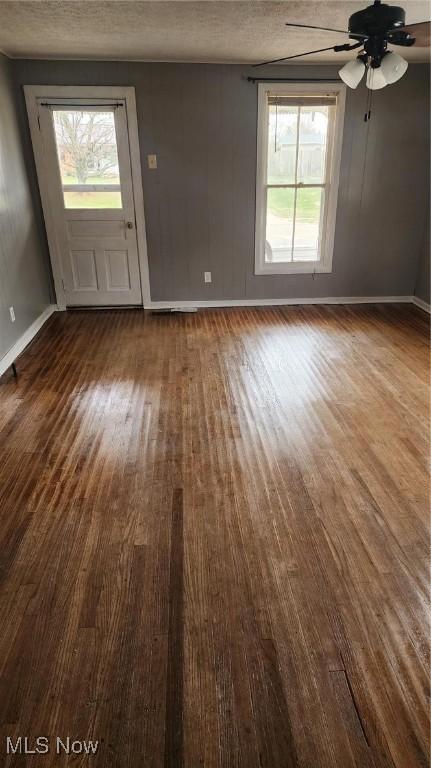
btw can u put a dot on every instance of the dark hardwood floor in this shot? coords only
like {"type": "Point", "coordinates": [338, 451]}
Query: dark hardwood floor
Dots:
{"type": "Point", "coordinates": [214, 539]}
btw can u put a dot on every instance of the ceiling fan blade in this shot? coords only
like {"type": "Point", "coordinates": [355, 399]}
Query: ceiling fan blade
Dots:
{"type": "Point", "coordinates": [336, 48]}
{"type": "Point", "coordinates": [421, 31]}
{"type": "Point", "coordinates": [323, 29]}
{"type": "Point", "coordinates": [416, 24]}
{"type": "Point", "coordinates": [295, 56]}
{"type": "Point", "coordinates": [310, 26]}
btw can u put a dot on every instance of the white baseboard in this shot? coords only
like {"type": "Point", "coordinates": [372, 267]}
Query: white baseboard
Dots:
{"type": "Point", "coordinates": [422, 304]}
{"type": "Point", "coordinates": [278, 302]}
{"type": "Point", "coordinates": [25, 339]}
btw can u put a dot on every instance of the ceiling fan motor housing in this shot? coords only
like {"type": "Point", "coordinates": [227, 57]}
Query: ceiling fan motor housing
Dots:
{"type": "Point", "coordinates": [376, 20]}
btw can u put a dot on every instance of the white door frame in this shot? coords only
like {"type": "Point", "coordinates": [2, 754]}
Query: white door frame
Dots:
{"type": "Point", "coordinates": [35, 92]}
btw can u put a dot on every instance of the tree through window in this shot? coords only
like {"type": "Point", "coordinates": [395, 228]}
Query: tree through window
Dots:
{"type": "Point", "coordinates": [88, 158]}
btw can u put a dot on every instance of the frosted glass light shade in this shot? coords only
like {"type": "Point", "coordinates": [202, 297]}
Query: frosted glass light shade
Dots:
{"type": "Point", "coordinates": [393, 67]}
{"type": "Point", "coordinates": [352, 73]}
{"type": "Point", "coordinates": [375, 78]}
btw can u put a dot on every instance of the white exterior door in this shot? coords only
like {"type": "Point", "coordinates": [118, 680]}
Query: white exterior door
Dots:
{"type": "Point", "coordinates": [86, 160]}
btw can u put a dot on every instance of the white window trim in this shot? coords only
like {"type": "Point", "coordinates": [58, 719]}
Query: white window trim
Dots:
{"type": "Point", "coordinates": [328, 230]}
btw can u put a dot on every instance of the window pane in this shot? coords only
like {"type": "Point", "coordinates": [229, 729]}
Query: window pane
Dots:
{"type": "Point", "coordinates": [307, 224]}
{"type": "Point", "coordinates": [92, 199]}
{"type": "Point", "coordinates": [313, 129]}
{"type": "Point", "coordinates": [279, 224]}
{"type": "Point", "coordinates": [87, 155]}
{"type": "Point", "coordinates": [282, 134]}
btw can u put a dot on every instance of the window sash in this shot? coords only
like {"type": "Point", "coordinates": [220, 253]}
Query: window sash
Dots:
{"type": "Point", "coordinates": [293, 93]}
{"type": "Point", "coordinates": [322, 218]}
{"type": "Point", "coordinates": [299, 185]}
{"type": "Point", "coordinates": [300, 102]}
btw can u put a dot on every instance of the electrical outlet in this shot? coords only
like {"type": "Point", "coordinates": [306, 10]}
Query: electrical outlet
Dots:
{"type": "Point", "coordinates": [207, 277]}
{"type": "Point", "coordinates": [152, 161]}
{"type": "Point", "coordinates": [12, 314]}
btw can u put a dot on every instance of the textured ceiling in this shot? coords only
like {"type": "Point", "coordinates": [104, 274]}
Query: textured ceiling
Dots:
{"type": "Point", "coordinates": [206, 31]}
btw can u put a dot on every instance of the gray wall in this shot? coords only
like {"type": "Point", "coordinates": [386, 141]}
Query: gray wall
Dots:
{"type": "Point", "coordinates": [422, 287]}
{"type": "Point", "coordinates": [24, 272]}
{"type": "Point", "coordinates": [200, 120]}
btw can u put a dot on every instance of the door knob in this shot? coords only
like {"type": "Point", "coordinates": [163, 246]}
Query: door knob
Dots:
{"type": "Point", "coordinates": [130, 225]}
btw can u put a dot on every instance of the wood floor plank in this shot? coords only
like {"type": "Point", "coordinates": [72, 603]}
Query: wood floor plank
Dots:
{"type": "Point", "coordinates": [214, 540]}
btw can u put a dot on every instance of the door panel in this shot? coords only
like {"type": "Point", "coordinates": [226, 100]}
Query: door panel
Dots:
{"type": "Point", "coordinates": [84, 270]}
{"type": "Point", "coordinates": [88, 161]}
{"type": "Point", "coordinates": [117, 270]}
{"type": "Point", "coordinates": [96, 228]}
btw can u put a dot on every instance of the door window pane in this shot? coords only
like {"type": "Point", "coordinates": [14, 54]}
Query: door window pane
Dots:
{"type": "Point", "coordinates": [282, 134]}
{"type": "Point", "coordinates": [279, 224]}
{"type": "Point", "coordinates": [88, 158]}
{"type": "Point", "coordinates": [307, 224]}
{"type": "Point", "coordinates": [313, 127]}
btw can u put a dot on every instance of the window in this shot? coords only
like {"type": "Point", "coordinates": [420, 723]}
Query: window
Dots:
{"type": "Point", "coordinates": [298, 159]}
{"type": "Point", "coordinates": [87, 155]}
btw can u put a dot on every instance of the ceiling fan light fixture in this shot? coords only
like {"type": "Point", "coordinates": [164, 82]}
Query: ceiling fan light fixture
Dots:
{"type": "Point", "coordinates": [352, 73]}
{"type": "Point", "coordinates": [393, 67]}
{"type": "Point", "coordinates": [375, 78]}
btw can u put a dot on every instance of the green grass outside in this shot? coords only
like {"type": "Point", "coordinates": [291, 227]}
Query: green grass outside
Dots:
{"type": "Point", "coordinates": [280, 203]}
{"type": "Point", "coordinates": [92, 199]}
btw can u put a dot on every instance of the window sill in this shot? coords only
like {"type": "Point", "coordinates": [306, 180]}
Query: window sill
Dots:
{"type": "Point", "coordinates": [284, 268]}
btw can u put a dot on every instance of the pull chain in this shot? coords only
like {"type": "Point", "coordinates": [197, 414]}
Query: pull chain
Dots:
{"type": "Point", "coordinates": [367, 116]}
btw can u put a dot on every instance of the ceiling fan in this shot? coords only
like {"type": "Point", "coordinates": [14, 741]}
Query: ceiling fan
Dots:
{"type": "Point", "coordinates": [372, 29]}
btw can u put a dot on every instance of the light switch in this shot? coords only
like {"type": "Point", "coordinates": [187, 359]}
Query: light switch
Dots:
{"type": "Point", "coordinates": [152, 161]}
{"type": "Point", "coordinates": [207, 277]}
